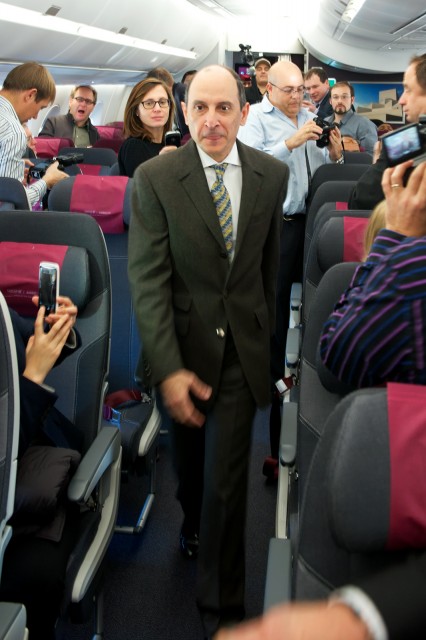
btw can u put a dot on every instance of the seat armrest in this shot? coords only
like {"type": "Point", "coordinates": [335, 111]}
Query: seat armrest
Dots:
{"type": "Point", "coordinates": [296, 302]}
{"type": "Point", "coordinates": [103, 451]}
{"type": "Point", "coordinates": [278, 573]}
{"type": "Point", "coordinates": [13, 619]}
{"type": "Point", "coordinates": [288, 435]}
{"type": "Point", "coordinates": [293, 348]}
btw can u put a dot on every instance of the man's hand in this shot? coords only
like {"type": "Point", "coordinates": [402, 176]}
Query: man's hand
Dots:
{"type": "Point", "coordinates": [307, 104]}
{"type": "Point", "coordinates": [309, 131]}
{"type": "Point", "coordinates": [53, 175]}
{"type": "Point", "coordinates": [313, 621]}
{"type": "Point", "coordinates": [175, 390]}
{"type": "Point", "coordinates": [43, 349]}
{"type": "Point", "coordinates": [405, 206]}
{"type": "Point", "coordinates": [335, 145]}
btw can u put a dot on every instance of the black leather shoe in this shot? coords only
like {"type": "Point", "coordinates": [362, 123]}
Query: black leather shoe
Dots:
{"type": "Point", "coordinates": [189, 544]}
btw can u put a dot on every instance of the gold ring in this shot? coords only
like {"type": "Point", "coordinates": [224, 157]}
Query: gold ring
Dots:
{"type": "Point", "coordinates": [395, 185]}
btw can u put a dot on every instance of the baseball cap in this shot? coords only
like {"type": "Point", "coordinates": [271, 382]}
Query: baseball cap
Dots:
{"type": "Point", "coordinates": [262, 61]}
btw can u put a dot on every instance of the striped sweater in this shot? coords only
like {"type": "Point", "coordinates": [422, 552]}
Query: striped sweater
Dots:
{"type": "Point", "coordinates": [377, 331]}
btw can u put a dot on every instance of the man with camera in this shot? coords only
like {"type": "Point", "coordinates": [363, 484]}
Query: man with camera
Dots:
{"type": "Point", "coordinates": [280, 126]}
{"type": "Point", "coordinates": [27, 89]}
{"type": "Point", "coordinates": [359, 128]}
{"type": "Point", "coordinates": [368, 190]}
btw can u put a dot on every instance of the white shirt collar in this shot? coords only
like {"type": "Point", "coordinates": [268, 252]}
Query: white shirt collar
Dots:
{"type": "Point", "coordinates": [231, 158]}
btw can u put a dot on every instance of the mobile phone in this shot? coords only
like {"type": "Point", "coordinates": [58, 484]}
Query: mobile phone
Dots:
{"type": "Point", "coordinates": [172, 138]}
{"type": "Point", "coordinates": [48, 286]}
{"type": "Point", "coordinates": [403, 144]}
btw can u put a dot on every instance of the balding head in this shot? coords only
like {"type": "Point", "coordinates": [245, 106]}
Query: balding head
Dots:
{"type": "Point", "coordinates": [285, 87]}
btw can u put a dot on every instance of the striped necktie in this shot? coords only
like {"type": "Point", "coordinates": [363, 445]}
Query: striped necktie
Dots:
{"type": "Point", "coordinates": [222, 202]}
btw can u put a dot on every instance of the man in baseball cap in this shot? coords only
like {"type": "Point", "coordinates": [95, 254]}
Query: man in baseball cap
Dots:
{"type": "Point", "coordinates": [258, 83]}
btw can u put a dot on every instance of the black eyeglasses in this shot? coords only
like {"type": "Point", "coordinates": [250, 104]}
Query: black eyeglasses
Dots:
{"type": "Point", "coordinates": [289, 90]}
{"type": "Point", "coordinates": [163, 103]}
{"type": "Point", "coordinates": [80, 100]}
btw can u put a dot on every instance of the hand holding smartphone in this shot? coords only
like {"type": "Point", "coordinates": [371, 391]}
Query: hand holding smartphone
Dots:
{"type": "Point", "coordinates": [48, 286]}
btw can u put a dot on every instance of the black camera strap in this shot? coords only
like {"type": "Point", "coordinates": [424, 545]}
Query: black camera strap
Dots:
{"type": "Point", "coordinates": [308, 169]}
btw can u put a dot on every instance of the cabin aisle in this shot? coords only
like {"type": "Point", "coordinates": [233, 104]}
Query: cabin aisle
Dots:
{"type": "Point", "coordinates": [149, 592]}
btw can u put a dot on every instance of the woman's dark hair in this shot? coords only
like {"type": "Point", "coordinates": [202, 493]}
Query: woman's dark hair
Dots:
{"type": "Point", "coordinates": [133, 125]}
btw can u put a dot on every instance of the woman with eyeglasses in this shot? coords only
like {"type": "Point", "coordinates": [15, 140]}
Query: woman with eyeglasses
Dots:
{"type": "Point", "coordinates": [148, 115]}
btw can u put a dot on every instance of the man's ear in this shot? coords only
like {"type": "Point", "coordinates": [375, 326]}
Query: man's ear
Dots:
{"type": "Point", "coordinates": [184, 111]}
{"type": "Point", "coordinates": [30, 95]}
{"type": "Point", "coordinates": [244, 113]}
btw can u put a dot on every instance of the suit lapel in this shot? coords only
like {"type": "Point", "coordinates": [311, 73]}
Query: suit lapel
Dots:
{"type": "Point", "coordinates": [194, 182]}
{"type": "Point", "coordinates": [252, 180]}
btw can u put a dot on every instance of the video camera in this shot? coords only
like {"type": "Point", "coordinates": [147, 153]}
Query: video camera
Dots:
{"type": "Point", "coordinates": [39, 169]}
{"type": "Point", "coordinates": [326, 127]}
{"type": "Point", "coordinates": [406, 143]}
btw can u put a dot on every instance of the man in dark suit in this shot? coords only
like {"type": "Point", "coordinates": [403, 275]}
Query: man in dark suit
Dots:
{"type": "Point", "coordinates": [205, 310]}
{"type": "Point", "coordinates": [318, 89]}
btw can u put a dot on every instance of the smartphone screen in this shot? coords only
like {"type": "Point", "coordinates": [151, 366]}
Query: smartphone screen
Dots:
{"type": "Point", "coordinates": [48, 285]}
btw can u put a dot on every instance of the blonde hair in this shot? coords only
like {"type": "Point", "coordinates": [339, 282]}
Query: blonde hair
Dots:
{"type": "Point", "coordinates": [376, 222]}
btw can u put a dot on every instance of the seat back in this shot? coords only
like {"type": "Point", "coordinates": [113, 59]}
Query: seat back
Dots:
{"type": "Point", "coordinates": [315, 402]}
{"type": "Point", "coordinates": [335, 192]}
{"type": "Point", "coordinates": [365, 491]}
{"type": "Point", "coordinates": [95, 161]}
{"type": "Point", "coordinates": [357, 157]}
{"type": "Point", "coordinates": [338, 236]}
{"type": "Point", "coordinates": [13, 195]}
{"type": "Point", "coordinates": [51, 147]}
{"type": "Point", "coordinates": [80, 380]}
{"type": "Point", "coordinates": [335, 172]}
{"type": "Point", "coordinates": [107, 199]}
{"type": "Point", "coordinates": [9, 424]}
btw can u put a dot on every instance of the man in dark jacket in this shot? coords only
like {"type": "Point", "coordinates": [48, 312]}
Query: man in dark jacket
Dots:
{"type": "Point", "coordinates": [76, 123]}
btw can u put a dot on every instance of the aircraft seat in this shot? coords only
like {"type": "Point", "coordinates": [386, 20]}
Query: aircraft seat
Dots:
{"type": "Point", "coordinates": [107, 199]}
{"type": "Point", "coordinates": [95, 161]}
{"type": "Point", "coordinates": [109, 143]}
{"type": "Point", "coordinates": [357, 157]}
{"type": "Point", "coordinates": [364, 501]}
{"type": "Point", "coordinates": [13, 195]}
{"type": "Point", "coordinates": [51, 147]}
{"type": "Point", "coordinates": [80, 382]}
{"type": "Point", "coordinates": [12, 615]}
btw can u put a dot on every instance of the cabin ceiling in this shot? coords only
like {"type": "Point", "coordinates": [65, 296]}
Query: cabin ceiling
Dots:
{"type": "Point", "coordinates": [382, 37]}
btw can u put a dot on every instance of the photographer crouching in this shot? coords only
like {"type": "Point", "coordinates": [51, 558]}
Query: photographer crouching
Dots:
{"type": "Point", "coordinates": [27, 89]}
{"type": "Point", "coordinates": [282, 127]}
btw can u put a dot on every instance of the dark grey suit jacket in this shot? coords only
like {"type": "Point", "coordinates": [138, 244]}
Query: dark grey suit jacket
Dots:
{"type": "Point", "coordinates": [184, 290]}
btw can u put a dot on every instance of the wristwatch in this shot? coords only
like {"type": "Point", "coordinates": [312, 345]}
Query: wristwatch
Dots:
{"type": "Point", "coordinates": [341, 160]}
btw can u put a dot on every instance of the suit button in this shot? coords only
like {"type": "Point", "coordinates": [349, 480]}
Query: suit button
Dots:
{"type": "Point", "coordinates": [220, 332]}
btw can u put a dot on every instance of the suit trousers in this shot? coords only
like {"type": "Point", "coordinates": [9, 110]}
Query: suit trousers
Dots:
{"type": "Point", "coordinates": [218, 476]}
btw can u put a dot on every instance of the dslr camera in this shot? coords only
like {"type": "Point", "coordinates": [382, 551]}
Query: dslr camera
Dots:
{"type": "Point", "coordinates": [39, 169]}
{"type": "Point", "coordinates": [326, 127]}
{"type": "Point", "coordinates": [406, 143]}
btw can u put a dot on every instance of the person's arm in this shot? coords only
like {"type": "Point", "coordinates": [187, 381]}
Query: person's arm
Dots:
{"type": "Point", "coordinates": [368, 190]}
{"type": "Point", "coordinates": [301, 621]}
{"type": "Point", "coordinates": [371, 335]}
{"type": "Point", "coordinates": [367, 135]}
